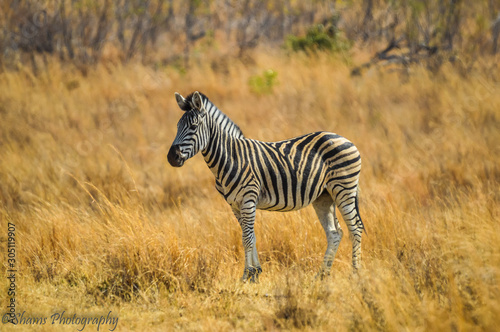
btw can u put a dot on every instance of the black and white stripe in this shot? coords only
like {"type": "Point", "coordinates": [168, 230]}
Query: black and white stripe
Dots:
{"type": "Point", "coordinates": [320, 168]}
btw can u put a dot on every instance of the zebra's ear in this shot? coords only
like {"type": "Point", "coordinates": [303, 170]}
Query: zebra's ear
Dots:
{"type": "Point", "coordinates": [197, 102]}
{"type": "Point", "coordinates": [181, 101]}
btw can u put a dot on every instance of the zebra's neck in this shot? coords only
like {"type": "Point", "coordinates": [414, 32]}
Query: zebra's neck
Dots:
{"type": "Point", "coordinates": [221, 122]}
{"type": "Point", "coordinates": [223, 136]}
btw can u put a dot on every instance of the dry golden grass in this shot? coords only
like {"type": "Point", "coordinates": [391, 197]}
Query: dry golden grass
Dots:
{"type": "Point", "coordinates": [104, 223]}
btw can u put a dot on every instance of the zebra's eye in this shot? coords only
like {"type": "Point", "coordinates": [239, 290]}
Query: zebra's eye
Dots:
{"type": "Point", "coordinates": [193, 126]}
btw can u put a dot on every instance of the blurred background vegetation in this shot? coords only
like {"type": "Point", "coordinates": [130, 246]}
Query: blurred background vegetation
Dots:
{"type": "Point", "coordinates": [159, 33]}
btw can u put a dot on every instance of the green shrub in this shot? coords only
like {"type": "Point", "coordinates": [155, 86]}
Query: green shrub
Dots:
{"type": "Point", "coordinates": [319, 38]}
{"type": "Point", "coordinates": [263, 84]}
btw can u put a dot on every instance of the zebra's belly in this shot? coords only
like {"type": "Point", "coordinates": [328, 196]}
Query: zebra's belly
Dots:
{"type": "Point", "coordinates": [281, 208]}
{"type": "Point", "coordinates": [290, 203]}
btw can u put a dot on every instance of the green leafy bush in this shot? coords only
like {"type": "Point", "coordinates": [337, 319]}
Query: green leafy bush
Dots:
{"type": "Point", "coordinates": [319, 38]}
{"type": "Point", "coordinates": [263, 84]}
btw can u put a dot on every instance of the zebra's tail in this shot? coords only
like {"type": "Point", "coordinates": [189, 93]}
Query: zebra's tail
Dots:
{"type": "Point", "coordinates": [356, 205]}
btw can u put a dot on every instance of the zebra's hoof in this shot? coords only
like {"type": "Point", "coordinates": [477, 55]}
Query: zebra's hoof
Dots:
{"type": "Point", "coordinates": [322, 275]}
{"type": "Point", "coordinates": [251, 274]}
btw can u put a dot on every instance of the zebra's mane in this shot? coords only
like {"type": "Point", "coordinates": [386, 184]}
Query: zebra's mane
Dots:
{"type": "Point", "coordinates": [217, 114]}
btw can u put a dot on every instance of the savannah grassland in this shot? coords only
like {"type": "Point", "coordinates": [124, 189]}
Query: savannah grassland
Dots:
{"type": "Point", "coordinates": [103, 223]}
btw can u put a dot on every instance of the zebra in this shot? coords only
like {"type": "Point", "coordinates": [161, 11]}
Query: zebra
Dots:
{"type": "Point", "coordinates": [319, 168]}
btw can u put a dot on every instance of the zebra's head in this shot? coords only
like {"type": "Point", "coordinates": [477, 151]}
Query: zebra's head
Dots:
{"type": "Point", "coordinates": [192, 131]}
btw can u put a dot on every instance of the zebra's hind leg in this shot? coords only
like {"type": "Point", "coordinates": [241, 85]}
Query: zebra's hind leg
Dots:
{"type": "Point", "coordinates": [347, 202]}
{"type": "Point", "coordinates": [325, 209]}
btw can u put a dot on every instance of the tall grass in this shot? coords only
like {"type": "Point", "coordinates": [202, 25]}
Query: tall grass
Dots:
{"type": "Point", "coordinates": [104, 223]}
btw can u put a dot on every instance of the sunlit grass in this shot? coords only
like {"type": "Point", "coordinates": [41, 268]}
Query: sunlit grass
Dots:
{"type": "Point", "coordinates": [104, 223]}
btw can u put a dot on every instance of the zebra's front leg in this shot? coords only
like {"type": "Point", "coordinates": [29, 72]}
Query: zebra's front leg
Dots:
{"type": "Point", "coordinates": [246, 218]}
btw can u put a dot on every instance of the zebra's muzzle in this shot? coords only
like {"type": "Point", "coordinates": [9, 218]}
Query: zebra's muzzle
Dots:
{"type": "Point", "coordinates": [175, 156]}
